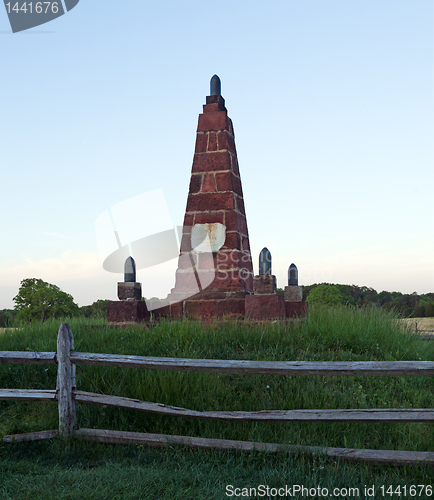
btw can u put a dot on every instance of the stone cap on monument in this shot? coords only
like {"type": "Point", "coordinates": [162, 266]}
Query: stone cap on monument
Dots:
{"type": "Point", "coordinates": [292, 275]}
{"type": "Point", "coordinates": [130, 271]}
{"type": "Point", "coordinates": [265, 261]}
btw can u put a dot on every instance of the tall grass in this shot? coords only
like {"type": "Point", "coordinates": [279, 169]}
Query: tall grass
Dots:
{"type": "Point", "coordinates": [53, 470]}
{"type": "Point", "coordinates": [328, 334]}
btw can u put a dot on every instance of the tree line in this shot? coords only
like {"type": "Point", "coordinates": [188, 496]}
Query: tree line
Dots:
{"type": "Point", "coordinates": [408, 305]}
{"type": "Point", "coordinates": [38, 301]}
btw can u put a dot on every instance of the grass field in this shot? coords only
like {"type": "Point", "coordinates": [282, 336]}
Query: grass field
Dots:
{"type": "Point", "coordinates": [421, 323]}
{"type": "Point", "coordinates": [6, 330]}
{"type": "Point", "coordinates": [51, 469]}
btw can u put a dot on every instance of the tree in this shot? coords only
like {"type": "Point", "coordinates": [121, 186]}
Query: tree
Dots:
{"type": "Point", "coordinates": [372, 295]}
{"type": "Point", "coordinates": [391, 306]}
{"type": "Point", "coordinates": [7, 317]}
{"type": "Point", "coordinates": [86, 311]}
{"type": "Point", "coordinates": [325, 294]}
{"type": "Point", "coordinates": [384, 297]}
{"type": "Point", "coordinates": [38, 300]}
{"type": "Point", "coordinates": [99, 308]}
{"type": "Point", "coordinates": [419, 311]}
{"type": "Point", "coordinates": [307, 289]}
{"type": "Point", "coordinates": [345, 291]}
{"type": "Point", "coordinates": [429, 310]}
{"type": "Point", "coordinates": [405, 311]}
{"type": "Point", "coordinates": [3, 319]}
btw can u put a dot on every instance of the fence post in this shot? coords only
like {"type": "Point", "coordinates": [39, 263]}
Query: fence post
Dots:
{"type": "Point", "coordinates": [65, 381]}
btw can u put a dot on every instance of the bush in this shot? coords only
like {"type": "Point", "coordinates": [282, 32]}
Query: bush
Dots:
{"type": "Point", "coordinates": [326, 295]}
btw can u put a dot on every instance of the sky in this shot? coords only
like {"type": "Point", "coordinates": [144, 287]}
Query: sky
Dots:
{"type": "Point", "coordinates": [332, 106]}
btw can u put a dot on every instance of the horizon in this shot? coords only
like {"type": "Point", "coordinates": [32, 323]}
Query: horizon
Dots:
{"type": "Point", "coordinates": [280, 288]}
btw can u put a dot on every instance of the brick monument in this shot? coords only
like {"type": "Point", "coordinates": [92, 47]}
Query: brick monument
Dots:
{"type": "Point", "coordinates": [215, 270]}
{"type": "Point", "coordinates": [214, 278]}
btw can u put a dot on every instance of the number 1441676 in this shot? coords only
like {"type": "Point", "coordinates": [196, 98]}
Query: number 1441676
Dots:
{"type": "Point", "coordinates": [32, 7]}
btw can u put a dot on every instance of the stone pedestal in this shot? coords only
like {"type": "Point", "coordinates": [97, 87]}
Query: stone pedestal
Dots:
{"type": "Point", "coordinates": [264, 284]}
{"type": "Point", "coordinates": [264, 307]}
{"type": "Point", "coordinates": [210, 309]}
{"type": "Point", "coordinates": [296, 309]}
{"type": "Point", "coordinates": [129, 291]}
{"type": "Point", "coordinates": [126, 311]}
{"type": "Point", "coordinates": [293, 293]}
{"type": "Point", "coordinates": [206, 305]}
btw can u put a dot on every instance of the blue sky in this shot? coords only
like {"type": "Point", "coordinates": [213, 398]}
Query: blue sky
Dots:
{"type": "Point", "coordinates": [332, 104]}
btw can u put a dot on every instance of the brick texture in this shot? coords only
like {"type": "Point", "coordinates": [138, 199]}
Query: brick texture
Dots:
{"type": "Point", "coordinates": [260, 307]}
{"type": "Point", "coordinates": [209, 309]}
{"type": "Point", "coordinates": [215, 196]}
{"type": "Point", "coordinates": [212, 161]}
{"type": "Point", "coordinates": [127, 311]}
{"type": "Point", "coordinates": [296, 309]}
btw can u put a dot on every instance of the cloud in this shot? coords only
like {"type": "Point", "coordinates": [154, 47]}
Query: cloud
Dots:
{"type": "Point", "coordinates": [71, 265]}
{"type": "Point", "coordinates": [81, 274]}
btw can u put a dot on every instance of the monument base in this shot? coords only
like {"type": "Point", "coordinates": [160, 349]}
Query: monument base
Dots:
{"type": "Point", "coordinates": [264, 284]}
{"type": "Point", "coordinates": [216, 308]}
{"type": "Point", "coordinates": [296, 309]}
{"type": "Point", "coordinates": [207, 306]}
{"type": "Point", "coordinates": [260, 307]}
{"type": "Point", "coordinates": [127, 311]}
{"type": "Point", "coordinates": [293, 293]}
{"type": "Point", "coordinates": [129, 291]}
{"type": "Point", "coordinates": [240, 306]}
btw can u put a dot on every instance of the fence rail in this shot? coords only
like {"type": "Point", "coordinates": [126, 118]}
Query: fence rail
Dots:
{"type": "Point", "coordinates": [364, 415]}
{"type": "Point", "coordinates": [31, 358]}
{"type": "Point", "coordinates": [67, 395]}
{"type": "Point", "coordinates": [28, 394]}
{"type": "Point", "coordinates": [350, 368]}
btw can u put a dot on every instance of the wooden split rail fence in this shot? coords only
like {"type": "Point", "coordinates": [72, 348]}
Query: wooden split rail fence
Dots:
{"type": "Point", "coordinates": [66, 395]}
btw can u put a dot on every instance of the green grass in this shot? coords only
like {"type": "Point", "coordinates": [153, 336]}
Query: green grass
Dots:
{"type": "Point", "coordinates": [337, 334]}
{"type": "Point", "coordinates": [49, 470]}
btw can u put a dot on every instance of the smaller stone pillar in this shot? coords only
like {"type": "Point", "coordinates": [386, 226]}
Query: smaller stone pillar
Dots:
{"type": "Point", "coordinates": [293, 292]}
{"type": "Point", "coordinates": [265, 282]}
{"type": "Point", "coordinates": [129, 289]}
{"type": "Point", "coordinates": [130, 307]}
{"type": "Point", "coordinates": [294, 306]}
{"type": "Point", "coordinates": [265, 303]}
